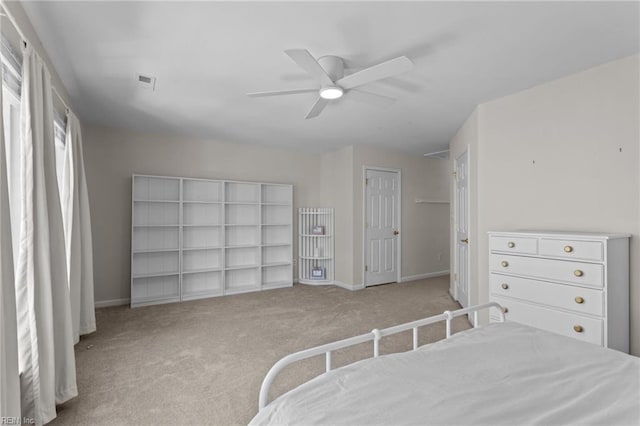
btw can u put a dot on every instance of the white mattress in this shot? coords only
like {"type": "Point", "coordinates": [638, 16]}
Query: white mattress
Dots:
{"type": "Point", "coordinates": [501, 374]}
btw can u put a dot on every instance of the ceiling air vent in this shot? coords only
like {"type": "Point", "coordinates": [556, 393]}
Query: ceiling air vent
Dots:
{"type": "Point", "coordinates": [147, 82]}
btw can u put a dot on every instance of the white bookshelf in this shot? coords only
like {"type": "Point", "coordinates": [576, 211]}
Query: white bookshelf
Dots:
{"type": "Point", "coordinates": [315, 250]}
{"type": "Point", "coordinates": [197, 238]}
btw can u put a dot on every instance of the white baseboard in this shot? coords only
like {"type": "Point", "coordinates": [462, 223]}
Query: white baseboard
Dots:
{"type": "Point", "coordinates": [352, 287]}
{"type": "Point", "coordinates": [423, 276]}
{"type": "Point", "coordinates": [112, 302]}
{"type": "Point", "coordinates": [346, 286]}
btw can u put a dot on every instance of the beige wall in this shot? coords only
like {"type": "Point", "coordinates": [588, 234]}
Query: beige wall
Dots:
{"type": "Point", "coordinates": [582, 133]}
{"type": "Point", "coordinates": [425, 227]}
{"type": "Point", "coordinates": [112, 156]}
{"type": "Point", "coordinates": [466, 139]}
{"type": "Point", "coordinates": [337, 184]}
{"type": "Point", "coordinates": [333, 180]}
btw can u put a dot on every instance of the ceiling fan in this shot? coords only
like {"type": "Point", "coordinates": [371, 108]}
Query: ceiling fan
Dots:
{"type": "Point", "coordinates": [329, 70]}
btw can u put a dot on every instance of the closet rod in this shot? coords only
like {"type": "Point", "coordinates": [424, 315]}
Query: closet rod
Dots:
{"type": "Point", "coordinates": [9, 15]}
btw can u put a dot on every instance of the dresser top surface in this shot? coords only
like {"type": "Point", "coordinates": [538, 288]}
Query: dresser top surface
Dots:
{"type": "Point", "coordinates": [562, 234]}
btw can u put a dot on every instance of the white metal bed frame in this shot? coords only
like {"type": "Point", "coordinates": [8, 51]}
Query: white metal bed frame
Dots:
{"type": "Point", "coordinates": [375, 335]}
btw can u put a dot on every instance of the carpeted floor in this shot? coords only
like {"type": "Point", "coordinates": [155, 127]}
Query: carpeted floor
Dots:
{"type": "Point", "coordinates": [202, 362]}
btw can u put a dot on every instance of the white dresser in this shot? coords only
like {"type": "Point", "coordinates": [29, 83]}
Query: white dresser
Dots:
{"type": "Point", "coordinates": [574, 284]}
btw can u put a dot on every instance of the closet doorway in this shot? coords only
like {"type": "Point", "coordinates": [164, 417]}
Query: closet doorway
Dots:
{"type": "Point", "coordinates": [461, 228]}
{"type": "Point", "coordinates": [381, 225]}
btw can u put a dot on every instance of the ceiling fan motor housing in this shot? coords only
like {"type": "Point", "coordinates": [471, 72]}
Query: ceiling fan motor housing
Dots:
{"type": "Point", "coordinates": [333, 66]}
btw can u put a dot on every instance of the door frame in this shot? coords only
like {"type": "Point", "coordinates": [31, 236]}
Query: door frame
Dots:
{"type": "Point", "coordinates": [454, 235]}
{"type": "Point", "coordinates": [398, 172]}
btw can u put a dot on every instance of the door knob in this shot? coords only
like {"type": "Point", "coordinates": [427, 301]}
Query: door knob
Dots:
{"type": "Point", "coordinates": [466, 241]}
{"type": "Point", "coordinates": [395, 232]}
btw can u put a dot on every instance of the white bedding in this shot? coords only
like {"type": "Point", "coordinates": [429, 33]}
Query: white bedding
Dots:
{"type": "Point", "coordinates": [506, 374]}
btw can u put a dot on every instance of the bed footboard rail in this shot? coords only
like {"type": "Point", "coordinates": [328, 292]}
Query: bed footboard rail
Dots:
{"type": "Point", "coordinates": [375, 335]}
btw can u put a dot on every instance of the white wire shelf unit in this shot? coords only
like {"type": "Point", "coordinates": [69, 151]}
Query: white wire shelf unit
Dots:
{"type": "Point", "coordinates": [316, 245]}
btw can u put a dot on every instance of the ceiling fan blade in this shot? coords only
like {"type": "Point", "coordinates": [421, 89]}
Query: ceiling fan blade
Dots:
{"type": "Point", "coordinates": [281, 92]}
{"type": "Point", "coordinates": [303, 58]}
{"type": "Point", "coordinates": [377, 72]}
{"type": "Point", "coordinates": [317, 108]}
{"type": "Point", "coordinates": [370, 98]}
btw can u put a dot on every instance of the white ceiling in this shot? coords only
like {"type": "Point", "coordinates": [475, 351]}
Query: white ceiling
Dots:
{"type": "Point", "coordinates": [207, 55]}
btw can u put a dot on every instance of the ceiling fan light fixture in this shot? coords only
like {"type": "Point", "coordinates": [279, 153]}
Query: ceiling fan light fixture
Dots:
{"type": "Point", "coordinates": [331, 92]}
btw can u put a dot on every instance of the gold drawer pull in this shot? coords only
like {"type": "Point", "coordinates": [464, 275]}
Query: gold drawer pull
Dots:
{"type": "Point", "coordinates": [579, 300]}
{"type": "Point", "coordinates": [505, 310]}
{"type": "Point", "coordinates": [568, 249]}
{"type": "Point", "coordinates": [504, 263]}
{"type": "Point", "coordinates": [578, 328]}
{"type": "Point", "coordinates": [578, 273]}
{"type": "Point", "coordinates": [511, 244]}
{"type": "Point", "coordinates": [505, 286]}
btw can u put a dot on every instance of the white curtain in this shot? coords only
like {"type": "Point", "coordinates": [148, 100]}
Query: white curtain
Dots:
{"type": "Point", "coordinates": [77, 227]}
{"type": "Point", "coordinates": [45, 336]}
{"type": "Point", "coordinates": [9, 374]}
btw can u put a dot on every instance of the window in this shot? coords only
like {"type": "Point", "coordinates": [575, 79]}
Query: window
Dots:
{"type": "Point", "coordinates": [11, 84]}
{"type": "Point", "coordinates": [11, 66]}
{"type": "Point", "coordinates": [59, 130]}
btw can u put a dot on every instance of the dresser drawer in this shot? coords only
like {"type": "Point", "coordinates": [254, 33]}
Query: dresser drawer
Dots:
{"type": "Point", "coordinates": [523, 245]}
{"type": "Point", "coordinates": [571, 325]}
{"type": "Point", "coordinates": [587, 274]}
{"type": "Point", "coordinates": [578, 299]}
{"type": "Point", "coordinates": [572, 249]}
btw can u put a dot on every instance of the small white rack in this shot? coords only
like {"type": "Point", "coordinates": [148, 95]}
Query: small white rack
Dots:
{"type": "Point", "coordinates": [315, 250]}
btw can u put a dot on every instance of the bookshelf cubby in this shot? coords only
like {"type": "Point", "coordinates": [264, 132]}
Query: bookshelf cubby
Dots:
{"type": "Point", "coordinates": [197, 238]}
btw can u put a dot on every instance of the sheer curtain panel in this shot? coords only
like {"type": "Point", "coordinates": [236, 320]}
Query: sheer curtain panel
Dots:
{"type": "Point", "coordinates": [45, 335]}
{"type": "Point", "coordinates": [77, 227]}
{"type": "Point", "coordinates": [9, 373]}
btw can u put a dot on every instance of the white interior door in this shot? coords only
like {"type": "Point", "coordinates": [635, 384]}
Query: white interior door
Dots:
{"type": "Point", "coordinates": [381, 226]}
{"type": "Point", "coordinates": [461, 229]}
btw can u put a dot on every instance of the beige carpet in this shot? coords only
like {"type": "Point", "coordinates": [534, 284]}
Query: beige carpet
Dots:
{"type": "Point", "coordinates": [202, 362]}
